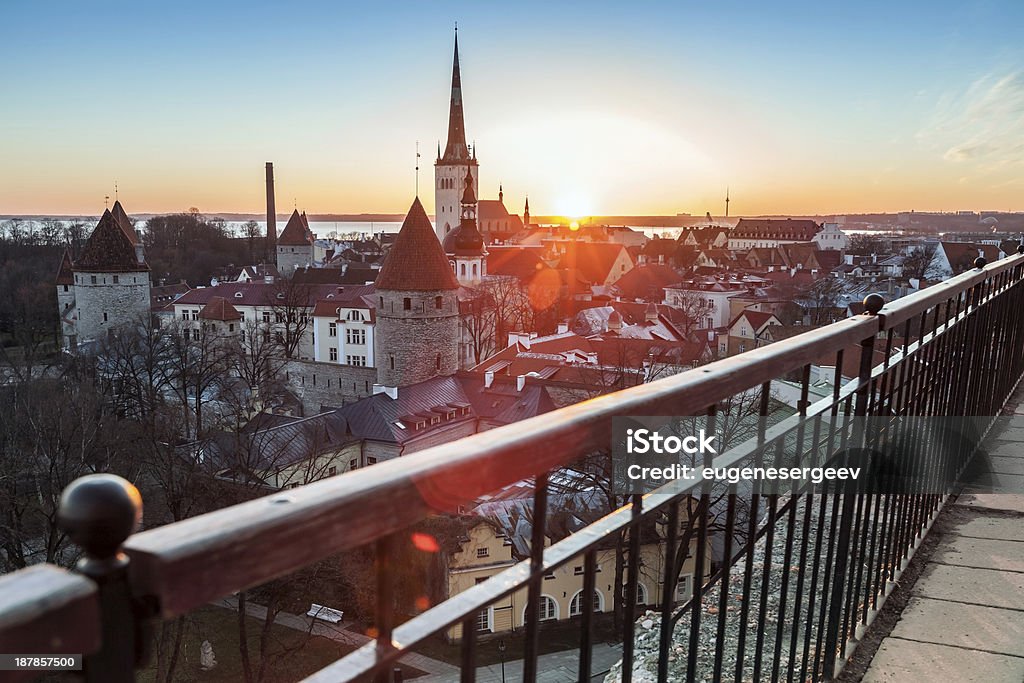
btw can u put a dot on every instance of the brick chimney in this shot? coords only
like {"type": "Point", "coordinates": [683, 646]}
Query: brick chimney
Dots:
{"type": "Point", "coordinates": [271, 216]}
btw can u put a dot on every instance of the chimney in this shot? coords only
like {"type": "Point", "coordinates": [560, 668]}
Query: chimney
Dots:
{"type": "Point", "coordinates": [563, 327]}
{"type": "Point", "coordinates": [488, 379]}
{"type": "Point", "coordinates": [271, 216]}
{"type": "Point", "coordinates": [520, 382]}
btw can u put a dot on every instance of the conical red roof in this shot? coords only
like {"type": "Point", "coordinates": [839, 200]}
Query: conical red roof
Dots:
{"type": "Point", "coordinates": [109, 250]}
{"type": "Point", "coordinates": [416, 261]}
{"type": "Point", "coordinates": [64, 274]}
{"type": "Point", "coordinates": [117, 211]}
{"type": "Point", "coordinates": [297, 232]}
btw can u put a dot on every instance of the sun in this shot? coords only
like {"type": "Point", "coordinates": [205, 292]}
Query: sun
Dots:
{"type": "Point", "coordinates": [576, 206]}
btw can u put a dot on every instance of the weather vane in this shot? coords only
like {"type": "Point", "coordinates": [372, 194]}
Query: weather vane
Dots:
{"type": "Point", "coordinates": [417, 168]}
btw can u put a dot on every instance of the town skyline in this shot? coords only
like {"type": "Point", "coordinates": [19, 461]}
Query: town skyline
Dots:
{"type": "Point", "coordinates": [659, 127]}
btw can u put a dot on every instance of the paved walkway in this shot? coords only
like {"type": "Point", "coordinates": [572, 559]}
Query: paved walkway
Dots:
{"type": "Point", "coordinates": [557, 667]}
{"type": "Point", "coordinates": [965, 617]}
{"type": "Point", "coordinates": [435, 669]}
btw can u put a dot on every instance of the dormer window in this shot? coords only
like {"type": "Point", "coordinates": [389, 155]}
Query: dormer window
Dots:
{"type": "Point", "coordinates": [238, 295]}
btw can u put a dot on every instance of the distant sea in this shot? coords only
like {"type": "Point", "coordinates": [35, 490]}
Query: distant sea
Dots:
{"type": "Point", "coordinates": [327, 229]}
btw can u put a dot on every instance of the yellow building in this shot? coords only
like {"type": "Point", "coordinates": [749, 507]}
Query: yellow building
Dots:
{"type": "Point", "coordinates": [487, 551]}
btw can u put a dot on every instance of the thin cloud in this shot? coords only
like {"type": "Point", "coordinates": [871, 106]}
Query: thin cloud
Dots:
{"type": "Point", "coordinates": [983, 125]}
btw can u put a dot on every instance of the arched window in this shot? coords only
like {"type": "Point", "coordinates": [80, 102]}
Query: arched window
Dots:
{"type": "Point", "coordinates": [547, 609]}
{"type": "Point", "coordinates": [576, 605]}
{"type": "Point", "coordinates": [641, 594]}
{"type": "Point", "coordinates": [462, 269]}
{"type": "Point", "coordinates": [474, 270]}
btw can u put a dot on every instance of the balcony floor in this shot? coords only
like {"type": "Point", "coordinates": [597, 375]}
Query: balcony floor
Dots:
{"type": "Point", "coordinates": [964, 620]}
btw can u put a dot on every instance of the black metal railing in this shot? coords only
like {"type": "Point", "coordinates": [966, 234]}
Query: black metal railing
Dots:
{"type": "Point", "coordinates": [796, 574]}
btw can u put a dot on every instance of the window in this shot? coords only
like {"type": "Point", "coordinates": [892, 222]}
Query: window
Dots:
{"type": "Point", "coordinates": [65, 288]}
{"type": "Point", "coordinates": [279, 317]}
{"type": "Point", "coordinates": [438, 302]}
{"type": "Point", "coordinates": [195, 314]}
{"type": "Point", "coordinates": [241, 316]}
{"type": "Point", "coordinates": [231, 327]}
{"type": "Point", "coordinates": [684, 588]}
{"type": "Point", "coordinates": [332, 329]}
{"type": "Point", "coordinates": [92, 279]}
{"type": "Point", "coordinates": [331, 471]}
{"type": "Point", "coordinates": [407, 304]}
{"type": "Point", "coordinates": [483, 620]}
{"type": "Point", "coordinates": [576, 605]}
{"type": "Point", "coordinates": [474, 269]}
{"type": "Point", "coordinates": [357, 361]}
{"type": "Point", "coordinates": [547, 609]}
{"type": "Point", "coordinates": [462, 270]}
{"type": "Point", "coordinates": [242, 335]}
{"type": "Point", "coordinates": [641, 594]}
{"type": "Point", "coordinates": [392, 358]}
{"type": "Point", "coordinates": [104, 316]}
{"type": "Point", "coordinates": [195, 334]}
{"type": "Point", "coordinates": [355, 316]}
{"type": "Point", "coordinates": [352, 464]}
{"type": "Point", "coordinates": [266, 316]}
{"type": "Point", "coordinates": [334, 355]}
{"type": "Point", "coordinates": [437, 362]}
{"type": "Point", "coordinates": [355, 336]}
{"type": "Point", "coordinates": [483, 552]}
{"type": "Point", "coordinates": [371, 461]}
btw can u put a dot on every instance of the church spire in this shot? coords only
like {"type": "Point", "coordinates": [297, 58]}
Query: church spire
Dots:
{"type": "Point", "coordinates": [456, 149]}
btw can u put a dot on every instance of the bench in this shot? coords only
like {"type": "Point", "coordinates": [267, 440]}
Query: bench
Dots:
{"type": "Point", "coordinates": [325, 613]}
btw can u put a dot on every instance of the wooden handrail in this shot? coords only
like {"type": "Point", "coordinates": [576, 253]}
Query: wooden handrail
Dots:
{"type": "Point", "coordinates": [47, 610]}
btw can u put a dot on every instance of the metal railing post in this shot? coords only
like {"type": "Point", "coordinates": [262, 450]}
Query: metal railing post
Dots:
{"type": "Point", "coordinates": [99, 512]}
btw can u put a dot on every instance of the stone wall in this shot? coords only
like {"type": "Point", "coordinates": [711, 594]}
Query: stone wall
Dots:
{"type": "Point", "coordinates": [410, 345]}
{"type": "Point", "coordinates": [291, 257]}
{"type": "Point", "coordinates": [123, 303]}
{"type": "Point", "coordinates": [327, 384]}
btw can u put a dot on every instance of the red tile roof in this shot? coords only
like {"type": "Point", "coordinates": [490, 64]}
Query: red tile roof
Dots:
{"type": "Point", "coordinates": [296, 232]}
{"type": "Point", "coordinates": [785, 229]}
{"type": "Point", "coordinates": [109, 250]}
{"type": "Point", "coordinates": [520, 262]}
{"type": "Point", "coordinates": [594, 260]}
{"type": "Point", "coordinates": [416, 261]}
{"type": "Point", "coordinates": [757, 319]}
{"type": "Point", "coordinates": [64, 274]}
{"type": "Point", "coordinates": [218, 308]}
{"type": "Point", "coordinates": [117, 211]}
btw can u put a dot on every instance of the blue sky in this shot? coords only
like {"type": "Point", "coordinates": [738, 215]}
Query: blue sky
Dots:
{"type": "Point", "coordinates": [589, 107]}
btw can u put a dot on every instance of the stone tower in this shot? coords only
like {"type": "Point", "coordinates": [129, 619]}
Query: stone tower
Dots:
{"type": "Point", "coordinates": [465, 245]}
{"type": "Point", "coordinates": [450, 167]}
{"type": "Point", "coordinates": [295, 245]}
{"type": "Point", "coordinates": [110, 279]}
{"type": "Point", "coordinates": [417, 335]}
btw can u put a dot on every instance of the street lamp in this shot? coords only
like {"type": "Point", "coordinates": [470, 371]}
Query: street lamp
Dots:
{"type": "Point", "coordinates": [501, 651]}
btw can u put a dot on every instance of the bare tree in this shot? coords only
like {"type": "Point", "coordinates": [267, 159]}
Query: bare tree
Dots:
{"type": "Point", "coordinates": [478, 318]}
{"type": "Point", "coordinates": [291, 308]}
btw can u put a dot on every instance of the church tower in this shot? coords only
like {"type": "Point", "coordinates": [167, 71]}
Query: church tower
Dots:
{"type": "Point", "coordinates": [417, 334]}
{"type": "Point", "coordinates": [449, 169]}
{"type": "Point", "coordinates": [465, 245]}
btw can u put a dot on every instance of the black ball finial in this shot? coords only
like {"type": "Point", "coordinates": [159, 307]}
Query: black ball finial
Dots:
{"type": "Point", "coordinates": [980, 262]}
{"type": "Point", "coordinates": [100, 511]}
{"type": "Point", "coordinates": [1020, 249]}
{"type": "Point", "coordinates": [873, 303]}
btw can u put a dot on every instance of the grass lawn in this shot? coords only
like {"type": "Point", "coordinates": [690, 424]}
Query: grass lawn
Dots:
{"type": "Point", "coordinates": [556, 636]}
{"type": "Point", "coordinates": [293, 654]}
